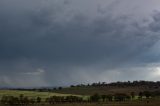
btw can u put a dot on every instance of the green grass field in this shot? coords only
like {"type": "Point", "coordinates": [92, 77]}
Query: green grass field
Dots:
{"type": "Point", "coordinates": [31, 94]}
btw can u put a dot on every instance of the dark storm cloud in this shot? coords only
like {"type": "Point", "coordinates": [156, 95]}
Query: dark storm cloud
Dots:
{"type": "Point", "coordinates": [51, 41]}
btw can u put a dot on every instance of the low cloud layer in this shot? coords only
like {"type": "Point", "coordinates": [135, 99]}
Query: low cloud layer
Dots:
{"type": "Point", "coordinates": [52, 43]}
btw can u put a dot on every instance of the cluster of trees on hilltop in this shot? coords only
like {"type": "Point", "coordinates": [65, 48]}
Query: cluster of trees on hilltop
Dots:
{"type": "Point", "coordinates": [150, 84]}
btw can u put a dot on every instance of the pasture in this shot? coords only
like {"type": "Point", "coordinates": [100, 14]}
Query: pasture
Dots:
{"type": "Point", "coordinates": [32, 94]}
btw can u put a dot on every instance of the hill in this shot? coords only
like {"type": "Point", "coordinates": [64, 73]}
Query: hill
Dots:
{"type": "Point", "coordinates": [100, 88]}
{"type": "Point", "coordinates": [111, 88]}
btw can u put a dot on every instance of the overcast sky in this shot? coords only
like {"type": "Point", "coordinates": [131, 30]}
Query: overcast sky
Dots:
{"type": "Point", "coordinates": [63, 42]}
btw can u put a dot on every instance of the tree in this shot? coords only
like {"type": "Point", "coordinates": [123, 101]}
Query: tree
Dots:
{"type": "Point", "coordinates": [121, 97]}
{"type": "Point", "coordinates": [26, 100]}
{"type": "Point", "coordinates": [21, 98]}
{"type": "Point", "coordinates": [95, 97]}
{"type": "Point", "coordinates": [133, 95]}
{"type": "Point", "coordinates": [109, 97]}
{"type": "Point", "coordinates": [32, 101]}
{"type": "Point", "coordinates": [147, 94]}
{"type": "Point", "coordinates": [4, 99]}
{"type": "Point", "coordinates": [38, 99]}
{"type": "Point", "coordinates": [140, 95]}
{"type": "Point", "coordinates": [103, 97]}
{"type": "Point", "coordinates": [60, 88]}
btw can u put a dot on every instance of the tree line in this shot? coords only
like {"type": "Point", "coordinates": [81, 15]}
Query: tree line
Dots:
{"type": "Point", "coordinates": [149, 84]}
{"type": "Point", "coordinates": [19, 101]}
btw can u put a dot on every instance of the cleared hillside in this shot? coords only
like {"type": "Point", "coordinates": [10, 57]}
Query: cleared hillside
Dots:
{"type": "Point", "coordinates": [104, 90]}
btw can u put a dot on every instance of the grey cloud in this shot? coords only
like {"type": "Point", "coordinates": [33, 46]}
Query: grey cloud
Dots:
{"type": "Point", "coordinates": [67, 42]}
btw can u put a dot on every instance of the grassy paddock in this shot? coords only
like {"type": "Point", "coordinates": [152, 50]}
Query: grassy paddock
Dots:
{"type": "Point", "coordinates": [31, 94]}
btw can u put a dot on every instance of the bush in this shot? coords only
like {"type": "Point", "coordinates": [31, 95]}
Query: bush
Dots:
{"type": "Point", "coordinates": [95, 98]}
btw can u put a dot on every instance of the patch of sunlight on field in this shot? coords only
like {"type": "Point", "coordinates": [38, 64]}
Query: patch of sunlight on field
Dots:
{"type": "Point", "coordinates": [31, 94]}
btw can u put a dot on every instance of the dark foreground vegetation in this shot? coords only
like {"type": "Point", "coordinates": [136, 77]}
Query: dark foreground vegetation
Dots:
{"type": "Point", "coordinates": [119, 98]}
